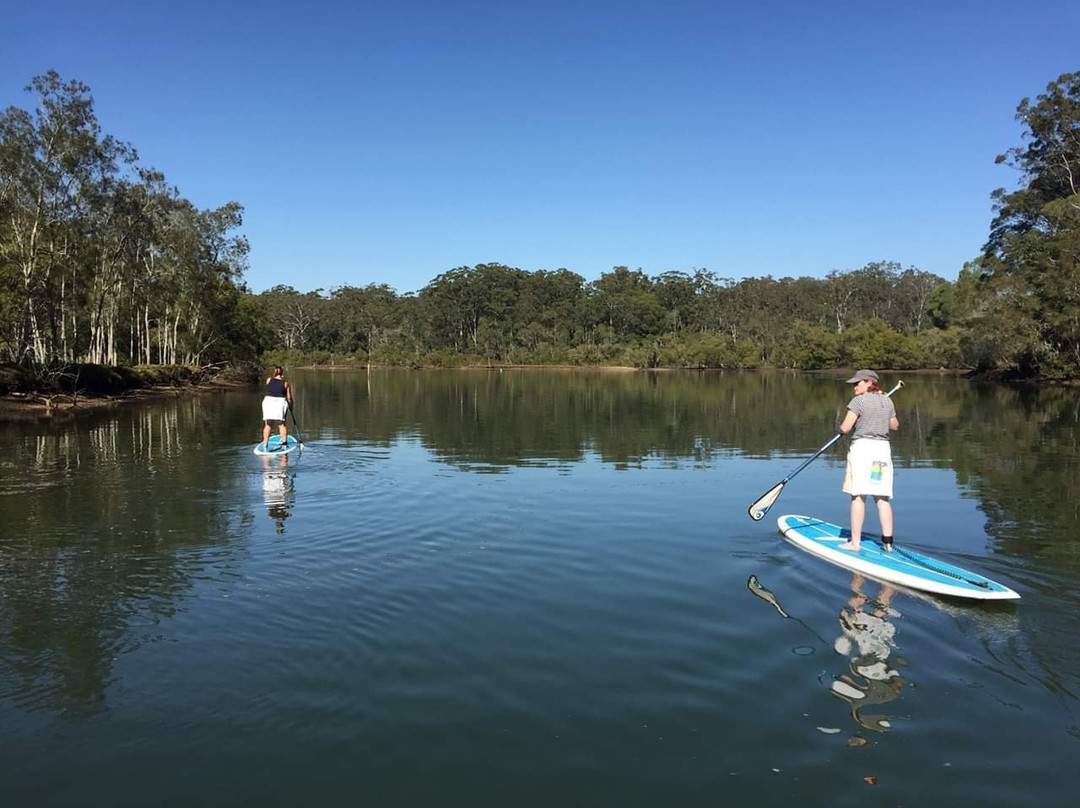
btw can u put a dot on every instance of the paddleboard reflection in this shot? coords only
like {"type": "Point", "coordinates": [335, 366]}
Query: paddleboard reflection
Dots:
{"type": "Point", "coordinates": [868, 638]}
{"type": "Point", "coordinates": [277, 489]}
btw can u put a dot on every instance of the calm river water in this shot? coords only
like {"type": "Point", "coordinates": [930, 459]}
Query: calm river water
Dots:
{"type": "Point", "coordinates": [531, 588]}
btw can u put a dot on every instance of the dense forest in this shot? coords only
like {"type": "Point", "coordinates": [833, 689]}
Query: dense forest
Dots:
{"type": "Point", "coordinates": [102, 261]}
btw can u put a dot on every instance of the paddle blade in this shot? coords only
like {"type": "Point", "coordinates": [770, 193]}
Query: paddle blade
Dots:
{"type": "Point", "coordinates": [758, 510]}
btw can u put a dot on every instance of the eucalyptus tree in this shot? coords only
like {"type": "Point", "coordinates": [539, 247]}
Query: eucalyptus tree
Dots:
{"type": "Point", "coordinates": [210, 292]}
{"type": "Point", "coordinates": [191, 271]}
{"type": "Point", "coordinates": [453, 307]}
{"type": "Point", "coordinates": [499, 289]}
{"type": "Point", "coordinates": [1032, 257]}
{"type": "Point", "coordinates": [843, 296]}
{"type": "Point", "coordinates": [361, 318]}
{"type": "Point", "coordinates": [100, 260]}
{"type": "Point", "coordinates": [801, 299]}
{"type": "Point", "coordinates": [51, 163]}
{"type": "Point", "coordinates": [549, 307]}
{"type": "Point", "coordinates": [877, 297]}
{"type": "Point", "coordinates": [916, 290]}
{"type": "Point", "coordinates": [154, 265]}
{"type": "Point", "coordinates": [291, 316]}
{"type": "Point", "coordinates": [675, 291]}
{"type": "Point", "coordinates": [123, 224]}
{"type": "Point", "coordinates": [763, 306]}
{"type": "Point", "coordinates": [868, 292]}
{"type": "Point", "coordinates": [627, 302]}
{"type": "Point", "coordinates": [709, 313]}
{"type": "Point", "coordinates": [563, 295]}
{"type": "Point", "coordinates": [457, 300]}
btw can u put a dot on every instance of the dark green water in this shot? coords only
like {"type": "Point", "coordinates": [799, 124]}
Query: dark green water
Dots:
{"type": "Point", "coordinates": [530, 588]}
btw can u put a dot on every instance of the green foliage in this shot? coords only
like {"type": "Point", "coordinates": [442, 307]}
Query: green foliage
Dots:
{"type": "Point", "coordinates": [942, 305]}
{"type": "Point", "coordinates": [494, 314]}
{"type": "Point", "coordinates": [873, 344]}
{"type": "Point", "coordinates": [810, 347]}
{"type": "Point", "coordinates": [591, 354]}
{"type": "Point", "coordinates": [940, 348]}
{"type": "Point", "coordinates": [101, 261]}
{"type": "Point", "coordinates": [1001, 333]}
{"type": "Point", "coordinates": [641, 355]}
{"type": "Point", "coordinates": [1029, 289]}
{"type": "Point", "coordinates": [446, 358]}
{"type": "Point", "coordinates": [134, 273]}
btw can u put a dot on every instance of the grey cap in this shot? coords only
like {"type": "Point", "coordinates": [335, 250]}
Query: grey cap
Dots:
{"type": "Point", "coordinates": [863, 376]}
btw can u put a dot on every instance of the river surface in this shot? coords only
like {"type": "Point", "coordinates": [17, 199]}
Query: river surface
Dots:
{"type": "Point", "coordinates": [532, 588]}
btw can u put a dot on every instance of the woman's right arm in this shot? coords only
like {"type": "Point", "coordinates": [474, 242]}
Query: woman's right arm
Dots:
{"type": "Point", "coordinates": [848, 423]}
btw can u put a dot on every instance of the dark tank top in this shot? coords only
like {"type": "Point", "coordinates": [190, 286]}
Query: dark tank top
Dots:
{"type": "Point", "coordinates": [276, 388]}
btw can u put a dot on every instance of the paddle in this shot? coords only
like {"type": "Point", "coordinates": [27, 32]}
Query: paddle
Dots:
{"type": "Point", "coordinates": [296, 426]}
{"type": "Point", "coordinates": [761, 507]}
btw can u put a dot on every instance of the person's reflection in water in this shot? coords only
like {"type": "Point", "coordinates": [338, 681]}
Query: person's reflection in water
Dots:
{"type": "Point", "coordinates": [277, 489]}
{"type": "Point", "coordinates": [867, 639]}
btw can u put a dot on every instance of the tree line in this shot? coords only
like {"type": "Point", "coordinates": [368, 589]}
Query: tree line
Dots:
{"type": "Point", "coordinates": [101, 261]}
{"type": "Point", "coordinates": [881, 314]}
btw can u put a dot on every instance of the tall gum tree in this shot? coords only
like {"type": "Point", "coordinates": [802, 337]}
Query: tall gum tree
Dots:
{"type": "Point", "coordinates": [1032, 258]}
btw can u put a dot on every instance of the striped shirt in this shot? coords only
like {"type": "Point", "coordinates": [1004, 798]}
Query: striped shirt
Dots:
{"type": "Point", "coordinates": [875, 410]}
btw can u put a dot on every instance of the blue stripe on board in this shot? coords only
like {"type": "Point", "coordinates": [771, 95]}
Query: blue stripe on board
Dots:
{"type": "Point", "coordinates": [823, 532]}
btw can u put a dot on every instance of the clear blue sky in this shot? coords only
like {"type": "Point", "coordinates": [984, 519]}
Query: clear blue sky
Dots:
{"type": "Point", "coordinates": [387, 142]}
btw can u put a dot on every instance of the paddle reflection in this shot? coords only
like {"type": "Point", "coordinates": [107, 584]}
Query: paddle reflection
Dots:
{"type": "Point", "coordinates": [277, 489]}
{"type": "Point", "coordinates": [868, 638]}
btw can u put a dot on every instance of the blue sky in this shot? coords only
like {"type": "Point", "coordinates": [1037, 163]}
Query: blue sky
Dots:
{"type": "Point", "coordinates": [387, 142]}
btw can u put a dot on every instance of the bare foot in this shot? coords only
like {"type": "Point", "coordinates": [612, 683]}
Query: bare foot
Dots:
{"type": "Point", "coordinates": [848, 546]}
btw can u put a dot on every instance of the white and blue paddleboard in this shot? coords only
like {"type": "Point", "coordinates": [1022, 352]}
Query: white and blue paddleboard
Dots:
{"type": "Point", "coordinates": [902, 566]}
{"type": "Point", "coordinates": [274, 446]}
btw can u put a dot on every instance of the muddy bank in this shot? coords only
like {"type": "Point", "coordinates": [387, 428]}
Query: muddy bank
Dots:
{"type": "Point", "coordinates": [76, 389]}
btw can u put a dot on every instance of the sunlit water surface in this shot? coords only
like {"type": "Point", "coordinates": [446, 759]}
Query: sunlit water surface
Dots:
{"type": "Point", "coordinates": [531, 588]}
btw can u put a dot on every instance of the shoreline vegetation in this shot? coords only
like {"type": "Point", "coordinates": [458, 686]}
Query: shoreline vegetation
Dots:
{"type": "Point", "coordinates": [29, 391]}
{"type": "Point", "coordinates": [104, 264]}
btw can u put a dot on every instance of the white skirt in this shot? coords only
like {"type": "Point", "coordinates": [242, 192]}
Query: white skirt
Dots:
{"type": "Point", "coordinates": [274, 408]}
{"type": "Point", "coordinates": [869, 469]}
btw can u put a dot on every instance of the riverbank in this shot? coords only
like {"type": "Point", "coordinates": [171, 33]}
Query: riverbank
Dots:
{"type": "Point", "coordinates": [72, 390]}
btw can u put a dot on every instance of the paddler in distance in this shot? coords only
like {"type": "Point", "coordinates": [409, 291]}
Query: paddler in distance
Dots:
{"type": "Point", "coordinates": [275, 405]}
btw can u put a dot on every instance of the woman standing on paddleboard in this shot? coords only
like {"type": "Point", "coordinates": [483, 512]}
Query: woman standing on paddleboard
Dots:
{"type": "Point", "coordinates": [869, 472]}
{"type": "Point", "coordinates": [275, 405]}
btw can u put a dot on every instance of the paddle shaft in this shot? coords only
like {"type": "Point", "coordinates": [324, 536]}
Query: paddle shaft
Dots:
{"type": "Point", "coordinates": [296, 426]}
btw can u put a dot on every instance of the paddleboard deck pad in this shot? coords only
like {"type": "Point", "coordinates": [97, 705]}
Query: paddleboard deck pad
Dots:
{"type": "Point", "coordinates": [902, 566]}
{"type": "Point", "coordinates": [274, 447]}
